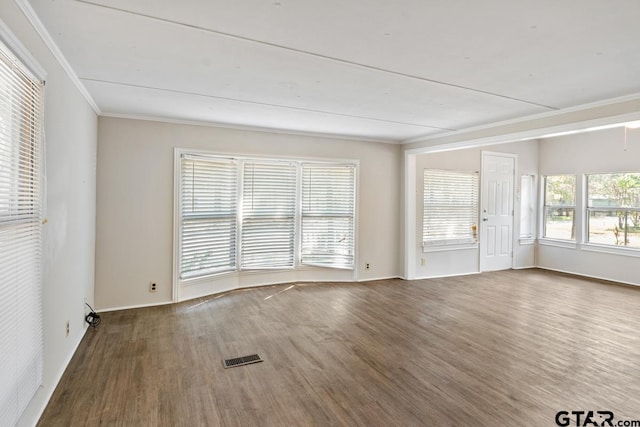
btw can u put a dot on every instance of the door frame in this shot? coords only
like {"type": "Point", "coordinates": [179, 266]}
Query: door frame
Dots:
{"type": "Point", "coordinates": [481, 264]}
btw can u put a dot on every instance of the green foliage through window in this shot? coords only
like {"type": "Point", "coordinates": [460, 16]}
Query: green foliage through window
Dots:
{"type": "Point", "coordinates": [560, 207]}
{"type": "Point", "coordinates": [613, 209]}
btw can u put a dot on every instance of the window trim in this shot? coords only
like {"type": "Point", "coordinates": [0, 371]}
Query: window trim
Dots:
{"type": "Point", "coordinates": [611, 249]}
{"type": "Point", "coordinates": [179, 282]}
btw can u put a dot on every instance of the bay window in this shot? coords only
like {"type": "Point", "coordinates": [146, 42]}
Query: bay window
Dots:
{"type": "Point", "coordinates": [252, 214]}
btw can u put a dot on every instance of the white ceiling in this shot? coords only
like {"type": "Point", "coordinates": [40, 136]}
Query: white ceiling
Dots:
{"type": "Point", "coordinates": [371, 69]}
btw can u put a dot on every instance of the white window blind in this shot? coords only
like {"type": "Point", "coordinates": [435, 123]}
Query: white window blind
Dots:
{"type": "Point", "coordinates": [20, 237]}
{"type": "Point", "coordinates": [328, 209]}
{"type": "Point", "coordinates": [268, 215]}
{"type": "Point", "coordinates": [527, 206]}
{"type": "Point", "coordinates": [450, 207]}
{"type": "Point", "coordinates": [208, 215]}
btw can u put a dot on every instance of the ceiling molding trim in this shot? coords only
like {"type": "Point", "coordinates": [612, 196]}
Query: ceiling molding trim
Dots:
{"type": "Point", "coordinates": [248, 128]}
{"type": "Point", "coordinates": [21, 53]}
{"type": "Point", "coordinates": [263, 104]}
{"type": "Point", "coordinates": [37, 24]}
{"type": "Point", "coordinates": [533, 117]}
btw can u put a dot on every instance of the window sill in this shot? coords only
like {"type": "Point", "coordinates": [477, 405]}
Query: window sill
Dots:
{"type": "Point", "coordinates": [610, 249]}
{"type": "Point", "coordinates": [221, 275]}
{"type": "Point", "coordinates": [524, 241]}
{"type": "Point", "coordinates": [456, 247]}
{"type": "Point", "coordinates": [204, 278]}
{"type": "Point", "coordinates": [568, 244]}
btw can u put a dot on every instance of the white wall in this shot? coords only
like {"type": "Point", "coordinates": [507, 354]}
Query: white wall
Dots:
{"type": "Point", "coordinates": [69, 235]}
{"type": "Point", "coordinates": [135, 205]}
{"type": "Point", "coordinates": [586, 153]}
{"type": "Point", "coordinates": [465, 261]}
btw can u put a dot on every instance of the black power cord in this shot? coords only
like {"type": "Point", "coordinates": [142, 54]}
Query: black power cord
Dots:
{"type": "Point", "coordinates": [92, 318]}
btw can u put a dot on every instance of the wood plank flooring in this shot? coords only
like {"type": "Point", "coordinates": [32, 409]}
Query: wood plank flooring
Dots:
{"type": "Point", "coordinates": [496, 349]}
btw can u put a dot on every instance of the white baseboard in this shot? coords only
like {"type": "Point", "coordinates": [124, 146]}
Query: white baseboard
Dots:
{"type": "Point", "coordinates": [524, 267]}
{"type": "Point", "coordinates": [378, 278]}
{"type": "Point", "coordinates": [606, 279]}
{"type": "Point", "coordinates": [442, 276]}
{"type": "Point", "coordinates": [127, 307]}
{"type": "Point", "coordinates": [58, 376]}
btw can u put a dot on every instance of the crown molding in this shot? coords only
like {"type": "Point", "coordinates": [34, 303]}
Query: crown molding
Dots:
{"type": "Point", "coordinates": [37, 24]}
{"type": "Point", "coordinates": [247, 128]}
{"type": "Point", "coordinates": [20, 52]}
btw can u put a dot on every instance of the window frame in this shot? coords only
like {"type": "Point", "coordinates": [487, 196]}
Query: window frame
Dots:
{"type": "Point", "coordinates": [544, 206]}
{"type": "Point", "coordinates": [617, 248]}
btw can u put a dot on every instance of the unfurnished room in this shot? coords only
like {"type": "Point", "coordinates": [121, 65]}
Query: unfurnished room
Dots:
{"type": "Point", "coordinates": [296, 212]}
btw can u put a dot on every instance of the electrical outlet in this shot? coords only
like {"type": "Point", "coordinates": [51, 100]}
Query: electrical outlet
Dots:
{"type": "Point", "coordinates": [67, 329]}
{"type": "Point", "coordinates": [367, 266]}
{"type": "Point", "coordinates": [423, 261]}
{"type": "Point", "coordinates": [153, 287]}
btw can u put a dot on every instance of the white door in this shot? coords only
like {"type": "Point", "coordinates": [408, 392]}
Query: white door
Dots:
{"type": "Point", "coordinates": [496, 211]}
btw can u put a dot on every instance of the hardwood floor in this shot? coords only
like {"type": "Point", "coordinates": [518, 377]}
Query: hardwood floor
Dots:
{"type": "Point", "coordinates": [497, 349]}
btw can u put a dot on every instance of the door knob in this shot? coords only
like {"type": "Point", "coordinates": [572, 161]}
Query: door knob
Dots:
{"type": "Point", "coordinates": [485, 219]}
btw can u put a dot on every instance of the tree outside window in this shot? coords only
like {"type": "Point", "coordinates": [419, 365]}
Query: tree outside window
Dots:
{"type": "Point", "coordinates": [613, 209]}
{"type": "Point", "coordinates": [560, 207]}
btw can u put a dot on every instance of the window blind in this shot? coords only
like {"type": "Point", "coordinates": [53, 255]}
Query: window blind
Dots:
{"type": "Point", "coordinates": [20, 237]}
{"type": "Point", "coordinates": [268, 215]}
{"type": "Point", "coordinates": [208, 215]}
{"type": "Point", "coordinates": [450, 207]}
{"type": "Point", "coordinates": [527, 203]}
{"type": "Point", "coordinates": [328, 212]}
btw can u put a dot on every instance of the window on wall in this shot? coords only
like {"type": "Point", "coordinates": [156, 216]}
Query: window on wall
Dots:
{"type": "Point", "coordinates": [245, 214]}
{"type": "Point", "coordinates": [527, 206]}
{"type": "Point", "coordinates": [450, 212]}
{"type": "Point", "coordinates": [328, 207]}
{"type": "Point", "coordinates": [613, 209]}
{"type": "Point", "coordinates": [559, 207]}
{"type": "Point", "coordinates": [20, 237]}
{"type": "Point", "coordinates": [268, 214]}
{"type": "Point", "coordinates": [208, 210]}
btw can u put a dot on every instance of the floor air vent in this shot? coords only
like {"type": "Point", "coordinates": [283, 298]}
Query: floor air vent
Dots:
{"type": "Point", "coordinates": [239, 361]}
